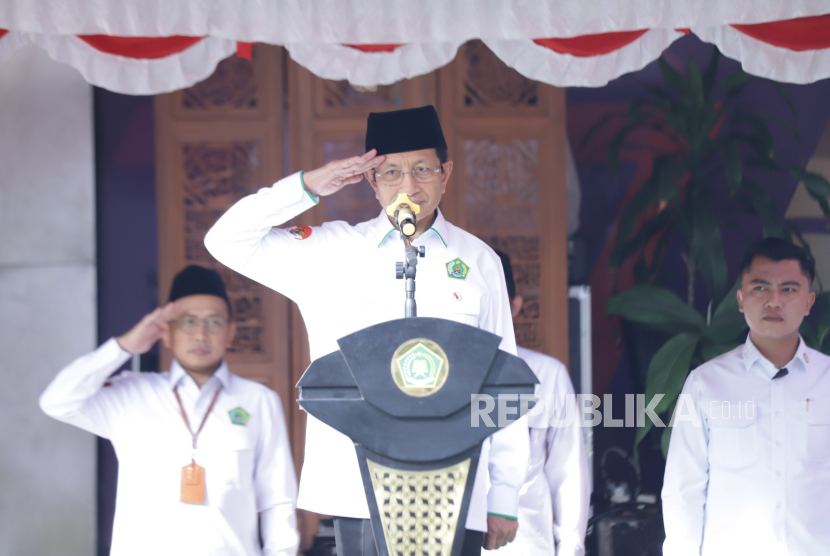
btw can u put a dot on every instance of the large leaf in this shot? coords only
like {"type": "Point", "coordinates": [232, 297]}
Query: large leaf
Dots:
{"type": "Point", "coordinates": [711, 73]}
{"type": "Point", "coordinates": [616, 144]}
{"type": "Point", "coordinates": [656, 307]}
{"type": "Point", "coordinates": [672, 77]}
{"type": "Point", "coordinates": [669, 177]}
{"type": "Point", "coordinates": [643, 199]}
{"type": "Point", "coordinates": [760, 130]}
{"type": "Point", "coordinates": [707, 247]}
{"type": "Point", "coordinates": [667, 373]}
{"type": "Point", "coordinates": [728, 323]}
{"type": "Point", "coordinates": [817, 186]}
{"type": "Point", "coordinates": [761, 203]}
{"type": "Point", "coordinates": [786, 97]}
{"type": "Point", "coordinates": [602, 122]}
{"type": "Point", "coordinates": [734, 85]}
{"type": "Point", "coordinates": [732, 165]}
{"type": "Point", "coordinates": [709, 351]}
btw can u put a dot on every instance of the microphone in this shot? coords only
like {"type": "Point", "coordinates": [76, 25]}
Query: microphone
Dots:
{"type": "Point", "coordinates": [403, 211]}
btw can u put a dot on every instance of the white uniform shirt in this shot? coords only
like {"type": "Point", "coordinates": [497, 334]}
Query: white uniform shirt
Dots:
{"type": "Point", "coordinates": [248, 468]}
{"type": "Point", "coordinates": [342, 277]}
{"type": "Point", "coordinates": [754, 478]}
{"type": "Point", "coordinates": [554, 501]}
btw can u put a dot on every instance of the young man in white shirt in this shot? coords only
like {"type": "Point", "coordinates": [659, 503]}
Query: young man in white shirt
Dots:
{"type": "Point", "coordinates": [555, 499]}
{"type": "Point", "coordinates": [342, 277]}
{"type": "Point", "coordinates": [748, 468]}
{"type": "Point", "coordinates": [204, 459]}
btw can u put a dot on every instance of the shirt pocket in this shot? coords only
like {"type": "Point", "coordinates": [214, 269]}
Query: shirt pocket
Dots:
{"type": "Point", "coordinates": [733, 442]}
{"type": "Point", "coordinates": [817, 437]}
{"type": "Point", "coordinates": [232, 459]}
{"type": "Point", "coordinates": [464, 306]}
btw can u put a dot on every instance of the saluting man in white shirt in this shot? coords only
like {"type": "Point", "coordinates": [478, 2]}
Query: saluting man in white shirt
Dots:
{"type": "Point", "coordinates": [204, 460]}
{"type": "Point", "coordinates": [343, 279]}
{"type": "Point", "coordinates": [748, 468]}
{"type": "Point", "coordinates": [554, 501]}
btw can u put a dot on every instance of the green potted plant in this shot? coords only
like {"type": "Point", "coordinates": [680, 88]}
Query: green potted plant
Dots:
{"type": "Point", "coordinates": [706, 139]}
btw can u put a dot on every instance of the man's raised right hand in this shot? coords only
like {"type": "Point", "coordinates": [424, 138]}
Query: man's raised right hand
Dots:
{"type": "Point", "coordinates": [337, 174]}
{"type": "Point", "coordinates": [149, 330]}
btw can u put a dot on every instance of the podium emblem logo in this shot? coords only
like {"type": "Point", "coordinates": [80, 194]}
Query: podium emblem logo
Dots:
{"type": "Point", "coordinates": [420, 367]}
{"type": "Point", "coordinates": [457, 269]}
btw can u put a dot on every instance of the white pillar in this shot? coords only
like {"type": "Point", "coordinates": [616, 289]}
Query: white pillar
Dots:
{"type": "Point", "coordinates": [47, 302]}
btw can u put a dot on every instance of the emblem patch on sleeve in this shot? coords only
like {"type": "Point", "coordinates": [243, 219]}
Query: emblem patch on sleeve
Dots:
{"type": "Point", "coordinates": [300, 232]}
{"type": "Point", "coordinates": [457, 269]}
{"type": "Point", "coordinates": [239, 416]}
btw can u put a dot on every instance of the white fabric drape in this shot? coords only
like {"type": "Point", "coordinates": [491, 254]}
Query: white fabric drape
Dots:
{"type": "Point", "coordinates": [766, 60]}
{"type": "Point", "coordinates": [315, 33]}
{"type": "Point", "coordinates": [564, 70]}
{"type": "Point", "coordinates": [134, 76]}
{"type": "Point", "coordinates": [9, 43]}
{"type": "Point", "coordinates": [390, 21]}
{"type": "Point", "coordinates": [367, 69]}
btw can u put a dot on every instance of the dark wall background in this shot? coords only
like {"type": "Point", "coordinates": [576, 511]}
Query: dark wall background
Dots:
{"type": "Point", "coordinates": [127, 246]}
{"type": "Point", "coordinates": [127, 226]}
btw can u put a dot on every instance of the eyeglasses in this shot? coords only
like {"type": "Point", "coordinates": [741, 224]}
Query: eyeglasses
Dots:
{"type": "Point", "coordinates": [421, 174]}
{"type": "Point", "coordinates": [191, 325]}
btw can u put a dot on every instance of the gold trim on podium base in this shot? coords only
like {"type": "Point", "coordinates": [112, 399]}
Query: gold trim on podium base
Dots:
{"type": "Point", "coordinates": [419, 509]}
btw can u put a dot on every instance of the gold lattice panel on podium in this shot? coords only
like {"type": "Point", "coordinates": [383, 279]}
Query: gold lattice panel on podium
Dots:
{"type": "Point", "coordinates": [419, 509]}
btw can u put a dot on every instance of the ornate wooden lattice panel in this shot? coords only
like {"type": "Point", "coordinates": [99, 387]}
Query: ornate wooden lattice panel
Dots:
{"type": "Point", "coordinates": [486, 84]}
{"type": "Point", "coordinates": [506, 137]}
{"type": "Point", "coordinates": [218, 174]}
{"type": "Point", "coordinates": [234, 90]}
{"type": "Point", "coordinates": [338, 99]}
{"type": "Point", "coordinates": [501, 184]}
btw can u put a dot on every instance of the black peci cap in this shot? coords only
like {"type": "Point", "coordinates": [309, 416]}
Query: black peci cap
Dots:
{"type": "Point", "coordinates": [198, 280]}
{"type": "Point", "coordinates": [403, 131]}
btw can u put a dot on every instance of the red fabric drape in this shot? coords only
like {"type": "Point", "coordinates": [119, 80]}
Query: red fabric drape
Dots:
{"type": "Point", "coordinates": [2, 32]}
{"type": "Point", "coordinates": [245, 50]}
{"type": "Point", "coordinates": [374, 47]}
{"type": "Point", "coordinates": [804, 33]}
{"type": "Point", "coordinates": [146, 48]}
{"type": "Point", "coordinates": [591, 45]}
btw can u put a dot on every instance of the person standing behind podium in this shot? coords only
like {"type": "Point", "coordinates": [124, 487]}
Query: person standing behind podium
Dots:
{"type": "Point", "coordinates": [748, 468]}
{"type": "Point", "coordinates": [204, 462]}
{"type": "Point", "coordinates": [343, 279]}
{"type": "Point", "coordinates": [555, 499]}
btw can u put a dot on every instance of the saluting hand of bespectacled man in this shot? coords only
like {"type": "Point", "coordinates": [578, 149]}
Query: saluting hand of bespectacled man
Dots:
{"type": "Point", "coordinates": [337, 174]}
{"type": "Point", "coordinates": [149, 330]}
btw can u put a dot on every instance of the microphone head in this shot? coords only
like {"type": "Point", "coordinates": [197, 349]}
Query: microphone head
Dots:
{"type": "Point", "coordinates": [402, 199]}
{"type": "Point", "coordinates": [403, 211]}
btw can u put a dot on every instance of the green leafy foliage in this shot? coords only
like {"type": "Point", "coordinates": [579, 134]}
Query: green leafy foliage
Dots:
{"type": "Point", "coordinates": [696, 339]}
{"type": "Point", "coordinates": [705, 139]}
{"type": "Point", "coordinates": [704, 134]}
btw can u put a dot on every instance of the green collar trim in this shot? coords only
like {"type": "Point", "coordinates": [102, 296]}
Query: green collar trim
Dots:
{"type": "Point", "coordinates": [440, 236]}
{"type": "Point", "coordinates": [384, 237]}
{"type": "Point", "coordinates": [393, 229]}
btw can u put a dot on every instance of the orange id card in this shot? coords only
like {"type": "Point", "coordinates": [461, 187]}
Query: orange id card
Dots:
{"type": "Point", "coordinates": [193, 484]}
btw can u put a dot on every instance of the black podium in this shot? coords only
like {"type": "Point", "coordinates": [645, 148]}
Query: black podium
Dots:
{"type": "Point", "coordinates": [404, 392]}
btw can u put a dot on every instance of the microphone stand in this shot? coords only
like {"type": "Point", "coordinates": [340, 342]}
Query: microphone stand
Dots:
{"type": "Point", "coordinates": [407, 269]}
